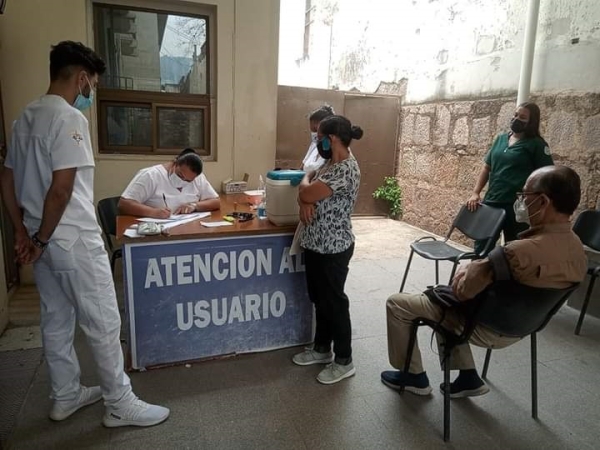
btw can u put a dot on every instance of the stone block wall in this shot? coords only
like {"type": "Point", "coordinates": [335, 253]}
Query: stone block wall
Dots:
{"type": "Point", "coordinates": [441, 148]}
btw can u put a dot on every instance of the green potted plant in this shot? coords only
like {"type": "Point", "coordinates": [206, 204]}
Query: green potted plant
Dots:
{"type": "Point", "coordinates": [391, 192]}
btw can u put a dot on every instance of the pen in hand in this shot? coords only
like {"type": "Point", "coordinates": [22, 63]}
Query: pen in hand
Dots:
{"type": "Point", "coordinates": [165, 200]}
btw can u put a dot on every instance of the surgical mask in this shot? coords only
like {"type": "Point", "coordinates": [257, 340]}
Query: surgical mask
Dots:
{"type": "Point", "coordinates": [522, 211]}
{"type": "Point", "coordinates": [324, 148]}
{"type": "Point", "coordinates": [82, 102]}
{"type": "Point", "coordinates": [313, 136]}
{"type": "Point", "coordinates": [176, 181]}
{"type": "Point", "coordinates": [517, 125]}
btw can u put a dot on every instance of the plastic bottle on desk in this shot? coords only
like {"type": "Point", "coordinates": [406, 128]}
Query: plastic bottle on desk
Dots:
{"type": "Point", "coordinates": [261, 210]}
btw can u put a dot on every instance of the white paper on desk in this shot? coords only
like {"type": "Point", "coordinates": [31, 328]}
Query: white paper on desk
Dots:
{"type": "Point", "coordinates": [132, 233]}
{"type": "Point", "coordinates": [176, 217]}
{"type": "Point", "coordinates": [295, 249]}
{"type": "Point", "coordinates": [221, 223]}
{"type": "Point", "coordinates": [176, 223]}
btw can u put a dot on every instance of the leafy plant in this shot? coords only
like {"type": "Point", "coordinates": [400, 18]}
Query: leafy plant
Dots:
{"type": "Point", "coordinates": [391, 192]}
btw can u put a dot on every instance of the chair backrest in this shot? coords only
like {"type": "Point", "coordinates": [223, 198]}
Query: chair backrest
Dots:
{"type": "Point", "coordinates": [587, 227]}
{"type": "Point", "coordinates": [513, 309]}
{"type": "Point", "coordinates": [482, 224]}
{"type": "Point", "coordinates": [107, 213]}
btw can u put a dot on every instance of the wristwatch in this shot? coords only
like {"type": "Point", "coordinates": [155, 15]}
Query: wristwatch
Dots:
{"type": "Point", "coordinates": [38, 243]}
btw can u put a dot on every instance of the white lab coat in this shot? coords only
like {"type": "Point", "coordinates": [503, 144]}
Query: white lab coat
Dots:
{"type": "Point", "coordinates": [150, 184]}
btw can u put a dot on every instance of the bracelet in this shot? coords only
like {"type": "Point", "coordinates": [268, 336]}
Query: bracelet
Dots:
{"type": "Point", "coordinates": [38, 243]}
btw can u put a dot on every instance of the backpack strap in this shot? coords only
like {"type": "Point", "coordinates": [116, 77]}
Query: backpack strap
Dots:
{"type": "Point", "coordinates": [499, 263]}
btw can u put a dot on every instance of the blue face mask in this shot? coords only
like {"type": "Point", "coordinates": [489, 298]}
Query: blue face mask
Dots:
{"type": "Point", "coordinates": [324, 148]}
{"type": "Point", "coordinates": [82, 102]}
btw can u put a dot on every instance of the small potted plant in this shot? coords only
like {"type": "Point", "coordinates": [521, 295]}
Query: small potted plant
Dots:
{"type": "Point", "coordinates": [391, 192]}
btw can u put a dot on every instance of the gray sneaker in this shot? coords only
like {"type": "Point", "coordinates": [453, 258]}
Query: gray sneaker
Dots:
{"type": "Point", "coordinates": [335, 372]}
{"type": "Point", "coordinates": [309, 356]}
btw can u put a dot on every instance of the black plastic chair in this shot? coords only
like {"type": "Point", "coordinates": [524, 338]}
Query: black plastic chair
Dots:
{"type": "Point", "coordinates": [107, 213]}
{"type": "Point", "coordinates": [508, 308]}
{"type": "Point", "coordinates": [587, 227]}
{"type": "Point", "coordinates": [482, 224]}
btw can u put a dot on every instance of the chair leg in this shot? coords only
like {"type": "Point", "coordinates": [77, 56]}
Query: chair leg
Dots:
{"type": "Point", "coordinates": [534, 390]}
{"type": "Point", "coordinates": [585, 305]}
{"type": "Point", "coordinates": [437, 272]}
{"type": "Point", "coordinates": [406, 270]}
{"type": "Point", "coordinates": [446, 394]}
{"type": "Point", "coordinates": [453, 271]}
{"type": "Point", "coordinates": [113, 260]}
{"type": "Point", "coordinates": [486, 363]}
{"type": "Point", "coordinates": [409, 350]}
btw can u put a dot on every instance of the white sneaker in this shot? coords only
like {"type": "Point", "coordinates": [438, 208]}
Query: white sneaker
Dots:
{"type": "Point", "coordinates": [61, 409]}
{"type": "Point", "coordinates": [135, 413]}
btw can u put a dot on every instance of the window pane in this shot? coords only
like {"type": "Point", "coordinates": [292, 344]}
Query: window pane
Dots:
{"type": "Point", "coordinates": [131, 126]}
{"type": "Point", "coordinates": [181, 128]}
{"type": "Point", "coordinates": [148, 51]}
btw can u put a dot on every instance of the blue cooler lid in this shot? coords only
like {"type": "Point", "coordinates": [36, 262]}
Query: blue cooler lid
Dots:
{"type": "Point", "coordinates": [293, 176]}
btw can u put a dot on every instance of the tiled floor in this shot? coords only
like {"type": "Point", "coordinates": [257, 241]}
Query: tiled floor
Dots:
{"type": "Point", "coordinates": [264, 401]}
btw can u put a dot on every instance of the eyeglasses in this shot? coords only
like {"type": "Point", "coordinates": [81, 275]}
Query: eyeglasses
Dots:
{"type": "Point", "coordinates": [521, 195]}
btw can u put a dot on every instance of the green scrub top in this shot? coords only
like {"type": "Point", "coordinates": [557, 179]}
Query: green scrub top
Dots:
{"type": "Point", "coordinates": [510, 166]}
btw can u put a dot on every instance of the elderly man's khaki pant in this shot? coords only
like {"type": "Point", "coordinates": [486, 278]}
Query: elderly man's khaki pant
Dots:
{"type": "Point", "coordinates": [402, 309]}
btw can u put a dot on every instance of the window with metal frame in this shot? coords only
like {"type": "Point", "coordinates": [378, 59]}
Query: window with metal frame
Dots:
{"type": "Point", "coordinates": [155, 97]}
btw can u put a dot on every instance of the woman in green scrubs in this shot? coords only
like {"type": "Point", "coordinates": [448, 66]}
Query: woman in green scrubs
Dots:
{"type": "Point", "coordinates": [511, 159]}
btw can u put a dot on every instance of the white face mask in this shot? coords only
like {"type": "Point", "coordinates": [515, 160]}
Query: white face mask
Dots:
{"type": "Point", "coordinates": [522, 211]}
{"type": "Point", "coordinates": [313, 136]}
{"type": "Point", "coordinates": [177, 182]}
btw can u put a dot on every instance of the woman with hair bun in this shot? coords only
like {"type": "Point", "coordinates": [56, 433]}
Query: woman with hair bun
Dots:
{"type": "Point", "coordinates": [327, 197]}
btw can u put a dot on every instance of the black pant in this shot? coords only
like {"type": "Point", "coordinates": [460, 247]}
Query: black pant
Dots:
{"type": "Point", "coordinates": [325, 278]}
{"type": "Point", "coordinates": [511, 228]}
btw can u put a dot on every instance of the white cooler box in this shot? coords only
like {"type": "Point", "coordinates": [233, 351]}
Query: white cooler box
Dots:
{"type": "Point", "coordinates": [282, 196]}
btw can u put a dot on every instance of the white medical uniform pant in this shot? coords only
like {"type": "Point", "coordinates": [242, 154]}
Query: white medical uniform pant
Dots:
{"type": "Point", "coordinates": [78, 284]}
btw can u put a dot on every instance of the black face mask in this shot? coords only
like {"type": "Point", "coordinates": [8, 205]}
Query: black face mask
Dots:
{"type": "Point", "coordinates": [517, 125]}
{"type": "Point", "coordinates": [324, 153]}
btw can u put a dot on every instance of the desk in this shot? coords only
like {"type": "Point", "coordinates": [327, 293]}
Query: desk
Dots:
{"type": "Point", "coordinates": [204, 292]}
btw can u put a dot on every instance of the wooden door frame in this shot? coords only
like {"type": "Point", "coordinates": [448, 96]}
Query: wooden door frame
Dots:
{"type": "Point", "coordinates": [11, 270]}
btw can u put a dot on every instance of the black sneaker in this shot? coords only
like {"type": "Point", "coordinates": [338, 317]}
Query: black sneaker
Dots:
{"type": "Point", "coordinates": [415, 383]}
{"type": "Point", "coordinates": [466, 387]}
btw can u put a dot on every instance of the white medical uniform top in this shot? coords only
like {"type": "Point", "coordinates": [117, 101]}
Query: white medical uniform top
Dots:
{"type": "Point", "coordinates": [149, 185]}
{"type": "Point", "coordinates": [51, 135]}
{"type": "Point", "coordinates": [312, 160]}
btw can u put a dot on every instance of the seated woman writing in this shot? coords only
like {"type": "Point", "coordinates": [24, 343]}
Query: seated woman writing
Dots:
{"type": "Point", "coordinates": [176, 187]}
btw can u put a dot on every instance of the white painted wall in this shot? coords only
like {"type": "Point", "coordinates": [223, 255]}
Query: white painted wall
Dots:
{"type": "Point", "coordinates": [446, 48]}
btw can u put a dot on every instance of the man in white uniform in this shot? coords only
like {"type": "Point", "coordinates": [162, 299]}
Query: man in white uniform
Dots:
{"type": "Point", "coordinates": [176, 187]}
{"type": "Point", "coordinates": [47, 187]}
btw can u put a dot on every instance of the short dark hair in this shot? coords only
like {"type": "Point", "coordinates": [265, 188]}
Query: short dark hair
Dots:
{"type": "Point", "coordinates": [187, 151]}
{"type": "Point", "coordinates": [562, 185]}
{"type": "Point", "coordinates": [191, 160]}
{"type": "Point", "coordinates": [320, 113]}
{"type": "Point", "coordinates": [341, 127]}
{"type": "Point", "coordinates": [68, 54]}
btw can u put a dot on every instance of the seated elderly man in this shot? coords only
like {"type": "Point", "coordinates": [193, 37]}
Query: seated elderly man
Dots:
{"type": "Point", "coordinates": [177, 187]}
{"type": "Point", "coordinates": [548, 255]}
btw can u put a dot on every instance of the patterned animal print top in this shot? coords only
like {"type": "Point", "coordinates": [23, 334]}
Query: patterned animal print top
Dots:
{"type": "Point", "coordinates": [331, 229]}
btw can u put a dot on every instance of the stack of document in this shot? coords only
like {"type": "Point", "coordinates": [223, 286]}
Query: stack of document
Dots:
{"type": "Point", "coordinates": [176, 218]}
{"type": "Point", "coordinates": [173, 221]}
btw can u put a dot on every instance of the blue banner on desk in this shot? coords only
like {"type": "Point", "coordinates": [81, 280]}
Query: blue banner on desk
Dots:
{"type": "Point", "coordinates": [200, 298]}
